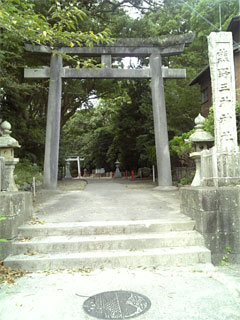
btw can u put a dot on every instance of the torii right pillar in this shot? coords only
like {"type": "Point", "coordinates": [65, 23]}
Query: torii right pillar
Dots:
{"type": "Point", "coordinates": [160, 124]}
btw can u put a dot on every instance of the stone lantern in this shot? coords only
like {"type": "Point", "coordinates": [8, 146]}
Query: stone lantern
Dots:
{"type": "Point", "coordinates": [7, 145]}
{"type": "Point", "coordinates": [201, 140]}
{"type": "Point", "coordinates": [117, 173]}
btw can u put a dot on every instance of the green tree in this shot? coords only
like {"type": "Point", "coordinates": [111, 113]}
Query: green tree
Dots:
{"type": "Point", "coordinates": [24, 103]}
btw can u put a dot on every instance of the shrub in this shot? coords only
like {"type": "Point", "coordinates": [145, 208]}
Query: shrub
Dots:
{"type": "Point", "coordinates": [180, 148]}
{"type": "Point", "coordinates": [25, 171]}
{"type": "Point", "coordinates": [209, 123]}
{"type": "Point", "coordinates": [187, 179]}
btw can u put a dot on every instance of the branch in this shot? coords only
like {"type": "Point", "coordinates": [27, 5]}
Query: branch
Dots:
{"type": "Point", "coordinates": [151, 5]}
{"type": "Point", "coordinates": [66, 116]}
{"type": "Point", "coordinates": [115, 5]}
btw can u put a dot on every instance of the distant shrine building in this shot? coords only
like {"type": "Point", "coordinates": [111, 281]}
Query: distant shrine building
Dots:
{"type": "Point", "coordinates": [204, 78]}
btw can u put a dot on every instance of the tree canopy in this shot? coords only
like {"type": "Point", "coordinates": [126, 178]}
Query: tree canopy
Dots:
{"type": "Point", "coordinates": [119, 123]}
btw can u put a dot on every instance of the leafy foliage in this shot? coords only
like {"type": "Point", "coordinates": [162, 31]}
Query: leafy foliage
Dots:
{"type": "Point", "coordinates": [25, 171]}
{"type": "Point", "coordinates": [180, 148]}
{"type": "Point", "coordinates": [187, 179]}
{"type": "Point", "coordinates": [59, 27]}
{"type": "Point", "coordinates": [24, 103]}
{"type": "Point", "coordinates": [209, 123]}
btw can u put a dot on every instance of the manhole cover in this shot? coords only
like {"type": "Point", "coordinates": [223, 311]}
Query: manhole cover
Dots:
{"type": "Point", "coordinates": [116, 305]}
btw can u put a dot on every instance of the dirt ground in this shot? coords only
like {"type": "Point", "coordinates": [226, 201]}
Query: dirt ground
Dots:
{"type": "Point", "coordinates": [43, 195]}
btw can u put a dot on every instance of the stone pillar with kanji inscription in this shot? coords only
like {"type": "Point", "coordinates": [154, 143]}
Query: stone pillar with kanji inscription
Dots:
{"type": "Point", "coordinates": [223, 90]}
{"type": "Point", "coordinates": [220, 166]}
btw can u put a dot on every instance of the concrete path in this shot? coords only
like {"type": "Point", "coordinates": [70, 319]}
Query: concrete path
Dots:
{"type": "Point", "coordinates": [177, 294]}
{"type": "Point", "coordinates": [110, 200]}
{"type": "Point", "coordinates": [193, 293]}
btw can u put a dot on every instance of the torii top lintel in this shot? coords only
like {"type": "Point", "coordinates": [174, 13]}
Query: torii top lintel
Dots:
{"type": "Point", "coordinates": [171, 45]}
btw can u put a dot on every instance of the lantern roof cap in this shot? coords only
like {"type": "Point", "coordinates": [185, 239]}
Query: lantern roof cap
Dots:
{"type": "Point", "coordinates": [200, 135]}
{"type": "Point", "coordinates": [6, 141]}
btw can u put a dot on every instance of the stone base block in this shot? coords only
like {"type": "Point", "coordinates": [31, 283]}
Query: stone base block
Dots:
{"type": "Point", "coordinates": [17, 208]}
{"type": "Point", "coordinates": [232, 258]}
{"type": "Point", "coordinates": [217, 215]}
{"type": "Point", "coordinates": [5, 249]}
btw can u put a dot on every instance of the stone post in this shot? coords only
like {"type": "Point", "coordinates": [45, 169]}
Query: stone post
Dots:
{"type": "Point", "coordinates": [106, 60]}
{"type": "Point", "coordinates": [53, 124]}
{"type": "Point", "coordinates": [160, 123]}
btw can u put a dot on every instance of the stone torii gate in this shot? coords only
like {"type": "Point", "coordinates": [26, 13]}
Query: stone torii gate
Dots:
{"type": "Point", "coordinates": [154, 48]}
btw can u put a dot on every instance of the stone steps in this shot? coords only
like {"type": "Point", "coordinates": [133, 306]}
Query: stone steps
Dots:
{"type": "Point", "coordinates": [56, 244]}
{"type": "Point", "coordinates": [105, 227]}
{"type": "Point", "coordinates": [108, 244]}
{"type": "Point", "coordinates": [173, 256]}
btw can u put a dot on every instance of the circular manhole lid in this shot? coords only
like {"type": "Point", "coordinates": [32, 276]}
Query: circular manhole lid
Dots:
{"type": "Point", "coordinates": [116, 305]}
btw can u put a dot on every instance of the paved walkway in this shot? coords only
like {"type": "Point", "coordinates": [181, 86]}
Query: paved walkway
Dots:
{"type": "Point", "coordinates": [109, 200]}
{"type": "Point", "coordinates": [196, 293]}
{"type": "Point", "coordinates": [178, 294]}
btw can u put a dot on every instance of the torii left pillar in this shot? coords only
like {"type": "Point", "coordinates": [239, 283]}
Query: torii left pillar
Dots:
{"type": "Point", "coordinates": [53, 123]}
